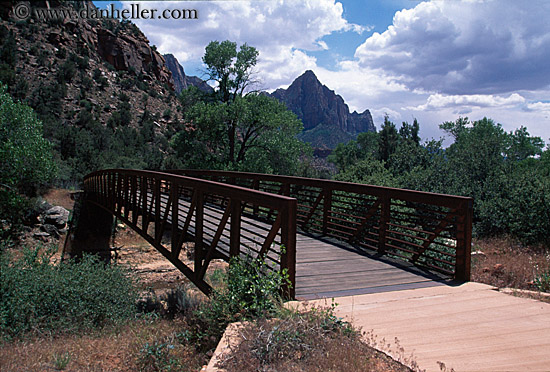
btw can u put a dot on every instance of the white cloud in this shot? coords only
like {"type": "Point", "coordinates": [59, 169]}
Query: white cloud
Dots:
{"type": "Point", "coordinates": [538, 106]}
{"type": "Point", "coordinates": [378, 115]}
{"type": "Point", "coordinates": [360, 88]}
{"type": "Point", "coordinates": [436, 61]}
{"type": "Point", "coordinates": [465, 47]}
{"type": "Point", "coordinates": [439, 101]}
{"type": "Point", "coordinates": [279, 66]}
{"type": "Point", "coordinates": [282, 31]}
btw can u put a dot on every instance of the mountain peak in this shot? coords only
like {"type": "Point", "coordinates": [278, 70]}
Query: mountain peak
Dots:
{"type": "Point", "coordinates": [308, 73]}
{"type": "Point", "coordinates": [315, 104]}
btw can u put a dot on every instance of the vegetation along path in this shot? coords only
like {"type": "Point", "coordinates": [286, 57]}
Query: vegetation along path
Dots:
{"type": "Point", "coordinates": [470, 327]}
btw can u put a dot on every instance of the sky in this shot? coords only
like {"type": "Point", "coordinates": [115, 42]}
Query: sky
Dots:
{"type": "Point", "coordinates": [431, 60]}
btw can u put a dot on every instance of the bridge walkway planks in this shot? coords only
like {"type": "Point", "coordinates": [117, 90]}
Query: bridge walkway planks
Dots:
{"type": "Point", "coordinates": [326, 268]}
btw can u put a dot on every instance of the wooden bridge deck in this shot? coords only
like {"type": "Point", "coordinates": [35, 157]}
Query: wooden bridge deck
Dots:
{"type": "Point", "coordinates": [327, 268]}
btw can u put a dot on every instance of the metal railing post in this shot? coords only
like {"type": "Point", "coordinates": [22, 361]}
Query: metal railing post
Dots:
{"type": "Point", "coordinates": [464, 244]}
{"type": "Point", "coordinates": [235, 232]}
{"type": "Point", "coordinates": [288, 239]}
{"type": "Point", "coordinates": [383, 226]}
{"type": "Point", "coordinates": [199, 230]}
{"type": "Point", "coordinates": [327, 206]}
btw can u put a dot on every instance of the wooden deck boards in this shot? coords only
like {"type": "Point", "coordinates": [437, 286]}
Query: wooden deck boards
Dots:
{"type": "Point", "coordinates": [324, 267]}
{"type": "Point", "coordinates": [328, 269]}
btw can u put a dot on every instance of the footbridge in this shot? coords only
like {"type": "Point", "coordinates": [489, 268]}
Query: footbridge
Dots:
{"type": "Point", "coordinates": [332, 238]}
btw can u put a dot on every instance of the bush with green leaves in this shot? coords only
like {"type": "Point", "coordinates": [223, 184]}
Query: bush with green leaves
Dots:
{"type": "Point", "coordinates": [155, 357]}
{"type": "Point", "coordinates": [26, 164]}
{"type": "Point", "coordinates": [542, 281]}
{"type": "Point", "coordinates": [38, 295]}
{"type": "Point", "coordinates": [25, 156]}
{"type": "Point", "coordinates": [252, 291]}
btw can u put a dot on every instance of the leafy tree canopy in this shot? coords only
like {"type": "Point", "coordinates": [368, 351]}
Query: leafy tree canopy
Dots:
{"type": "Point", "coordinates": [238, 130]}
{"type": "Point", "coordinates": [253, 133]}
{"type": "Point", "coordinates": [230, 68]}
{"type": "Point", "coordinates": [25, 156]}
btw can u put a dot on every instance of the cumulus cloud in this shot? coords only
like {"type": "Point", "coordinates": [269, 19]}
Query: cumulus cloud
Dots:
{"type": "Point", "coordinates": [282, 31]}
{"type": "Point", "coordinates": [465, 47]}
{"type": "Point", "coordinates": [359, 88]}
{"type": "Point", "coordinates": [440, 101]}
{"type": "Point", "coordinates": [538, 106]}
{"type": "Point", "coordinates": [437, 60]}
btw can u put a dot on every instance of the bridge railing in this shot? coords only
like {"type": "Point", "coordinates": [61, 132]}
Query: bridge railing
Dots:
{"type": "Point", "coordinates": [426, 229]}
{"type": "Point", "coordinates": [212, 215]}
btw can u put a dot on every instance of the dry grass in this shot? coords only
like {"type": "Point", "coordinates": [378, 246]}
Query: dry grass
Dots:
{"type": "Point", "coordinates": [117, 349]}
{"type": "Point", "coordinates": [505, 264]}
{"type": "Point", "coordinates": [311, 341]}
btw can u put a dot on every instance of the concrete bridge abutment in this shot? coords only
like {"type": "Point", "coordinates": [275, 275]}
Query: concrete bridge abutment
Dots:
{"type": "Point", "coordinates": [91, 230]}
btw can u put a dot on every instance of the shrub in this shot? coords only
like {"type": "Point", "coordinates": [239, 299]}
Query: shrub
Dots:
{"type": "Point", "coordinates": [13, 210]}
{"type": "Point", "coordinates": [542, 281]}
{"type": "Point", "coordinates": [298, 341]}
{"type": "Point", "coordinates": [61, 53]}
{"type": "Point", "coordinates": [296, 334]}
{"type": "Point", "coordinates": [252, 291]}
{"type": "Point", "coordinates": [38, 295]}
{"type": "Point", "coordinates": [67, 71]}
{"type": "Point", "coordinates": [26, 164]}
{"type": "Point", "coordinates": [156, 357]}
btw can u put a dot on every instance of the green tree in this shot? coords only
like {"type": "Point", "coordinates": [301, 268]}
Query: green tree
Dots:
{"type": "Point", "coordinates": [387, 140]}
{"type": "Point", "coordinates": [191, 96]}
{"type": "Point", "coordinates": [26, 164]}
{"type": "Point", "coordinates": [369, 171]}
{"type": "Point", "coordinates": [231, 69]}
{"type": "Point", "coordinates": [263, 139]}
{"type": "Point", "coordinates": [509, 185]}
{"type": "Point", "coordinates": [238, 130]}
{"type": "Point", "coordinates": [522, 146]}
{"type": "Point", "coordinates": [476, 157]}
{"type": "Point", "coordinates": [25, 156]}
{"type": "Point", "coordinates": [425, 168]}
{"type": "Point", "coordinates": [409, 132]}
{"type": "Point", "coordinates": [407, 153]}
{"type": "Point", "coordinates": [348, 154]}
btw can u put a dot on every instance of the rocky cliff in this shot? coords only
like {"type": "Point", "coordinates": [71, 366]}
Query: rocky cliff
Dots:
{"type": "Point", "coordinates": [181, 80]}
{"type": "Point", "coordinates": [129, 52]}
{"type": "Point", "coordinates": [104, 95]}
{"type": "Point", "coordinates": [315, 105]}
{"type": "Point", "coordinates": [92, 60]}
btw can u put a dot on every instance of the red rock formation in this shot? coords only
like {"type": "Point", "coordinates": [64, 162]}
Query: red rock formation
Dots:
{"type": "Point", "coordinates": [316, 104]}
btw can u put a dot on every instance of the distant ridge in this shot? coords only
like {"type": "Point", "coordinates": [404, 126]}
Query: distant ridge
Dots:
{"type": "Point", "coordinates": [181, 80]}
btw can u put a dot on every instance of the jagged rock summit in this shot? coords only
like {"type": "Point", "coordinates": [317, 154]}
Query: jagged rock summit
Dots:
{"type": "Point", "coordinates": [181, 80]}
{"type": "Point", "coordinates": [315, 104]}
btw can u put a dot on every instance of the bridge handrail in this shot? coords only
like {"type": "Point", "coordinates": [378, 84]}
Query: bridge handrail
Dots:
{"type": "Point", "coordinates": [414, 195]}
{"type": "Point", "coordinates": [445, 246]}
{"type": "Point", "coordinates": [157, 198]}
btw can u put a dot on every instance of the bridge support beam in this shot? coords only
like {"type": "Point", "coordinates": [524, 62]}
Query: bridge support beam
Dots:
{"type": "Point", "coordinates": [91, 230]}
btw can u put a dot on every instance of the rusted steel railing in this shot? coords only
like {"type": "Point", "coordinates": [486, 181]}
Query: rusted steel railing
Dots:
{"type": "Point", "coordinates": [215, 216]}
{"type": "Point", "coordinates": [427, 229]}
